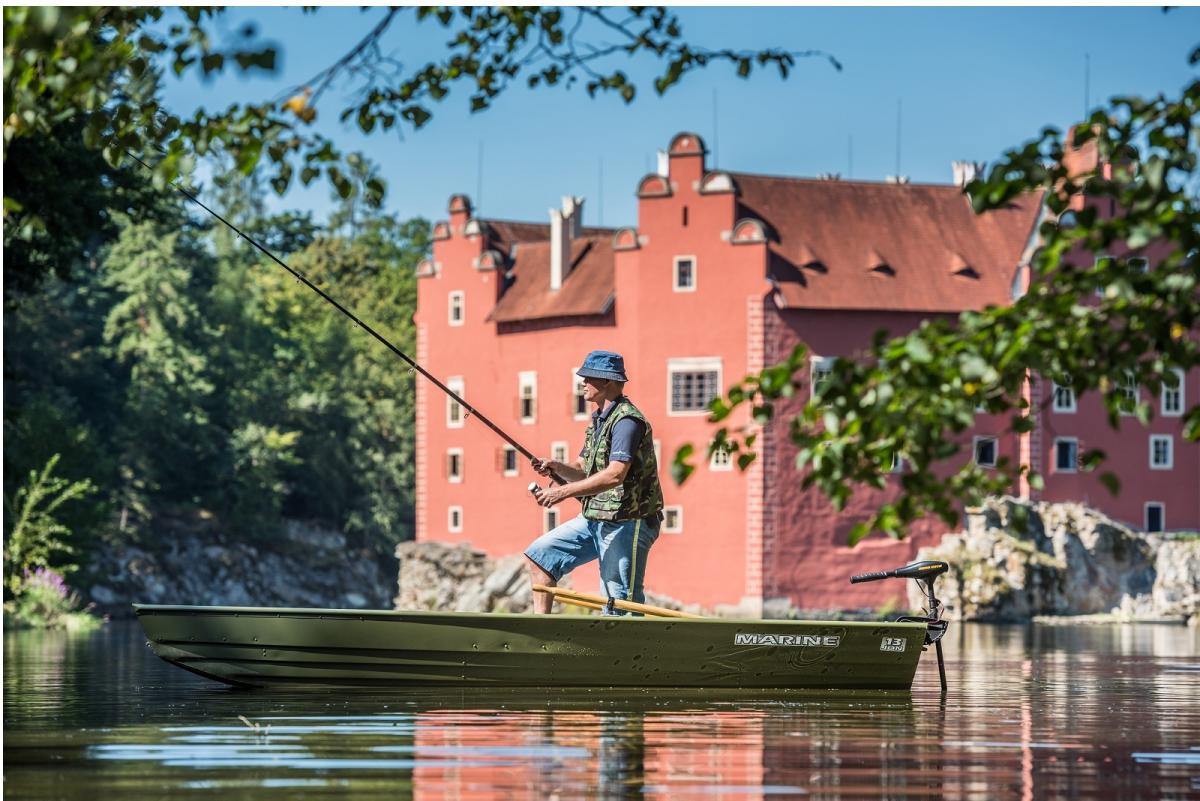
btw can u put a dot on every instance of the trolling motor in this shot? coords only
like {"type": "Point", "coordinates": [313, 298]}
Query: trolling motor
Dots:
{"type": "Point", "coordinates": [925, 573]}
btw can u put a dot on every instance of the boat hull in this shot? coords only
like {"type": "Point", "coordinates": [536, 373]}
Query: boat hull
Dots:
{"type": "Point", "coordinates": [260, 646]}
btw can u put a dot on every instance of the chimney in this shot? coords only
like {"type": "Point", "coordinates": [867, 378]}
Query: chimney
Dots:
{"type": "Point", "coordinates": [664, 164]}
{"type": "Point", "coordinates": [897, 180]}
{"type": "Point", "coordinates": [564, 227]}
{"type": "Point", "coordinates": [966, 171]}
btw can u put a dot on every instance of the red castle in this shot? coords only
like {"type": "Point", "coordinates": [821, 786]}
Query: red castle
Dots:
{"type": "Point", "coordinates": [725, 273]}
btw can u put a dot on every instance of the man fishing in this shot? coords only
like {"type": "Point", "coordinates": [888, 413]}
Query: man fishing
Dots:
{"type": "Point", "coordinates": [616, 479]}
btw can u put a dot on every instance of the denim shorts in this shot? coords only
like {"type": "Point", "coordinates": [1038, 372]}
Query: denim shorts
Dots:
{"type": "Point", "coordinates": [621, 547]}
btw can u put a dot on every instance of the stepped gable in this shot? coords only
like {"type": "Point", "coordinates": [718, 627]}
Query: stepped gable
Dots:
{"type": "Point", "coordinates": [587, 290]}
{"type": "Point", "coordinates": [918, 227]}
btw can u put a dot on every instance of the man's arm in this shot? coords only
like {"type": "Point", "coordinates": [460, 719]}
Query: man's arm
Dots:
{"type": "Point", "coordinates": [626, 436]}
{"type": "Point", "coordinates": [572, 471]}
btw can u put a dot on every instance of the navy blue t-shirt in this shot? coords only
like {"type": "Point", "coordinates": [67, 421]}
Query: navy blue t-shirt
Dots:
{"type": "Point", "coordinates": [626, 435]}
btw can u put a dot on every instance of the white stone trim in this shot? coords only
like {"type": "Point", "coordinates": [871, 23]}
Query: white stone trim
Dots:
{"type": "Point", "coordinates": [460, 296]}
{"type": "Point", "coordinates": [677, 528]}
{"type": "Point", "coordinates": [456, 385]}
{"type": "Point", "coordinates": [1169, 464]}
{"type": "Point", "coordinates": [1178, 393]}
{"type": "Point", "coordinates": [1074, 468]}
{"type": "Point", "coordinates": [450, 476]}
{"type": "Point", "coordinates": [527, 380]}
{"type": "Point", "coordinates": [675, 274]}
{"type": "Point", "coordinates": [454, 519]}
{"type": "Point", "coordinates": [692, 364]}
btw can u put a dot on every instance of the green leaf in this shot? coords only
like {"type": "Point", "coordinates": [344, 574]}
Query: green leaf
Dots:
{"type": "Point", "coordinates": [857, 533]}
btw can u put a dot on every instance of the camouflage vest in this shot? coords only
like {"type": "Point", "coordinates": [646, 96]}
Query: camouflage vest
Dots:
{"type": "Point", "coordinates": [640, 495]}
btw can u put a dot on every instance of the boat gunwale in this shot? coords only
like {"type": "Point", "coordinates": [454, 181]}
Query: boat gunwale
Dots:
{"type": "Point", "coordinates": [173, 610]}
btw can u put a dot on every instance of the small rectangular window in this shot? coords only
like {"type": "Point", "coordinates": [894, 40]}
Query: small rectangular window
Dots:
{"type": "Point", "coordinates": [454, 409]}
{"type": "Point", "coordinates": [685, 273]}
{"type": "Point", "coordinates": [1172, 397]}
{"type": "Point", "coordinates": [558, 451]}
{"type": "Point", "coordinates": [820, 369]}
{"type": "Point", "coordinates": [672, 519]}
{"type": "Point", "coordinates": [1139, 264]}
{"type": "Point", "coordinates": [509, 460]}
{"type": "Point", "coordinates": [693, 383]}
{"type": "Point", "coordinates": [527, 396]}
{"type": "Point", "coordinates": [454, 465]}
{"type": "Point", "coordinates": [1064, 396]}
{"type": "Point", "coordinates": [454, 519]}
{"type": "Point", "coordinates": [579, 409]}
{"type": "Point", "coordinates": [1156, 516]}
{"type": "Point", "coordinates": [1162, 455]}
{"type": "Point", "coordinates": [1066, 455]}
{"type": "Point", "coordinates": [1129, 393]}
{"type": "Point", "coordinates": [985, 451]}
{"type": "Point", "coordinates": [722, 460]}
{"type": "Point", "coordinates": [457, 302]}
{"type": "Point", "coordinates": [549, 520]}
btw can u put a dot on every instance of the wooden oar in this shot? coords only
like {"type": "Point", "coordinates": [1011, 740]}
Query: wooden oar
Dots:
{"type": "Point", "coordinates": [589, 601]}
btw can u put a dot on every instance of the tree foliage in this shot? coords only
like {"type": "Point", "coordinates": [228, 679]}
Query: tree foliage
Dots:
{"type": "Point", "coordinates": [98, 73]}
{"type": "Point", "coordinates": [1100, 321]}
{"type": "Point", "coordinates": [34, 536]}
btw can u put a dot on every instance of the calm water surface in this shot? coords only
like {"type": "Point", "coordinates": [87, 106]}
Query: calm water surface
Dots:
{"type": "Point", "coordinates": [1032, 712]}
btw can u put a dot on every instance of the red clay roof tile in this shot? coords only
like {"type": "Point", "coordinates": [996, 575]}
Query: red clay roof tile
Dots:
{"type": "Point", "coordinates": [918, 228]}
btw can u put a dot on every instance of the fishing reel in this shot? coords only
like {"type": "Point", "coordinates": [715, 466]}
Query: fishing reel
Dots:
{"type": "Point", "coordinates": [924, 573]}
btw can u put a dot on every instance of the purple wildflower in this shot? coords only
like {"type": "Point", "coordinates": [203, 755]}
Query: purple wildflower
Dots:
{"type": "Point", "coordinates": [46, 578]}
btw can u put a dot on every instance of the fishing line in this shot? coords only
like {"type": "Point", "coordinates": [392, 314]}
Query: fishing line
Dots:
{"type": "Point", "coordinates": [471, 410]}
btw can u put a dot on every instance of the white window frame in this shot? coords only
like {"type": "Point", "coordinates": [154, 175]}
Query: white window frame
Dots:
{"type": "Point", "coordinates": [1162, 515]}
{"type": "Point", "coordinates": [450, 477]}
{"type": "Point", "coordinates": [1176, 392]}
{"type": "Point", "coordinates": [1074, 468]}
{"type": "Point", "coordinates": [818, 364]}
{"type": "Point", "coordinates": [995, 451]}
{"type": "Point", "coordinates": [692, 365]}
{"type": "Point", "coordinates": [460, 296]}
{"type": "Point", "coordinates": [577, 392]}
{"type": "Point", "coordinates": [549, 520]}
{"type": "Point", "coordinates": [527, 379]}
{"type": "Point", "coordinates": [456, 385]}
{"type": "Point", "coordinates": [516, 462]}
{"type": "Point", "coordinates": [675, 274]}
{"type": "Point", "coordinates": [678, 527]}
{"type": "Point", "coordinates": [450, 513]}
{"type": "Point", "coordinates": [564, 447]}
{"type": "Point", "coordinates": [1126, 387]}
{"type": "Point", "coordinates": [1069, 408]}
{"type": "Point", "coordinates": [721, 465]}
{"type": "Point", "coordinates": [1170, 440]}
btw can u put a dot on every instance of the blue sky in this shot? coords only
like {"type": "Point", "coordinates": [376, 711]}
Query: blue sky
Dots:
{"type": "Point", "coordinates": [973, 82]}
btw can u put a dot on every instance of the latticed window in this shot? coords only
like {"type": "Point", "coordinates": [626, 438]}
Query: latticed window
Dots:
{"type": "Point", "coordinates": [1129, 392]}
{"type": "Point", "coordinates": [693, 390]}
{"type": "Point", "coordinates": [685, 274]}
{"type": "Point", "coordinates": [1066, 455]}
{"type": "Point", "coordinates": [527, 394]}
{"type": "Point", "coordinates": [1064, 395]}
{"type": "Point", "coordinates": [820, 370]}
{"type": "Point", "coordinates": [1172, 397]}
{"type": "Point", "coordinates": [1161, 456]}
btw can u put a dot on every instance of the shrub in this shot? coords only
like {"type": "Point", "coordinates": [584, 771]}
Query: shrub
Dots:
{"type": "Point", "coordinates": [44, 601]}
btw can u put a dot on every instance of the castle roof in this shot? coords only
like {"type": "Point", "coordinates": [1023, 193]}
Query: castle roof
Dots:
{"type": "Point", "coordinates": [861, 245]}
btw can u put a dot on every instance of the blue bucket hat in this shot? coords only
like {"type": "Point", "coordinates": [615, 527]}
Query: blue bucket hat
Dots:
{"type": "Point", "coordinates": [603, 364]}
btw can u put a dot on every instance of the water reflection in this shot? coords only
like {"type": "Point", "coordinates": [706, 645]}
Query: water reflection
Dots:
{"type": "Point", "coordinates": [1032, 712]}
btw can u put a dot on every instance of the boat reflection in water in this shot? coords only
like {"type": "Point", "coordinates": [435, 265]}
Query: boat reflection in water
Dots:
{"type": "Point", "coordinates": [1031, 712]}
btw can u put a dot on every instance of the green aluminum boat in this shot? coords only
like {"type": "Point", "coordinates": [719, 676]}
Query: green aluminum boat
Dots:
{"type": "Point", "coordinates": [269, 647]}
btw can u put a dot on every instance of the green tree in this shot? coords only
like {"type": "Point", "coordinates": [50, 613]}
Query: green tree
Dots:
{"type": "Point", "coordinates": [914, 395]}
{"type": "Point", "coordinates": [156, 330]}
{"type": "Point", "coordinates": [101, 68]}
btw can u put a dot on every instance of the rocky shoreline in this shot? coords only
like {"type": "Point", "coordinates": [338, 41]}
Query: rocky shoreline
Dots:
{"type": "Point", "coordinates": [1016, 561]}
{"type": "Point", "coordinates": [1019, 560]}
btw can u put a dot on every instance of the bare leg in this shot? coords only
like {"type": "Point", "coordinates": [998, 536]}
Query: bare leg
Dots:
{"type": "Point", "coordinates": [542, 603]}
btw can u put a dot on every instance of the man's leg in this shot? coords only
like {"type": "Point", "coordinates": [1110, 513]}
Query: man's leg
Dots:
{"type": "Point", "coordinates": [624, 549]}
{"type": "Point", "coordinates": [542, 603]}
{"type": "Point", "coordinates": [555, 554]}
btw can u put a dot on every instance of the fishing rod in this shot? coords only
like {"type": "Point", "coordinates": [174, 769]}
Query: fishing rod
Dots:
{"type": "Point", "coordinates": [471, 410]}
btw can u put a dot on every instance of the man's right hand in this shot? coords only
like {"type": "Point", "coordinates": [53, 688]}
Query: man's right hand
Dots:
{"type": "Point", "coordinates": [543, 467]}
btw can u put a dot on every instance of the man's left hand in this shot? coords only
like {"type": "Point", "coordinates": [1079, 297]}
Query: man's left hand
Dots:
{"type": "Point", "coordinates": [552, 496]}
